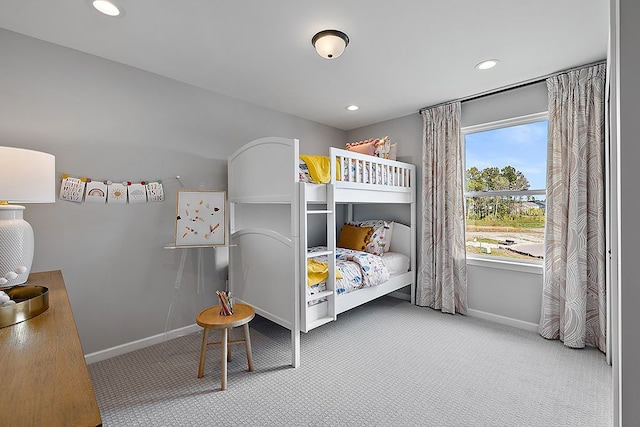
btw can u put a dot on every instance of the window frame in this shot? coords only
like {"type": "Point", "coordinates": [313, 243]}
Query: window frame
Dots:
{"type": "Point", "coordinates": [530, 266]}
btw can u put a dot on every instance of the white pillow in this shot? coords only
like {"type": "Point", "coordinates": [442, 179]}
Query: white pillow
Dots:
{"type": "Point", "coordinates": [396, 262]}
{"type": "Point", "coordinates": [392, 152]}
{"type": "Point", "coordinates": [381, 237]}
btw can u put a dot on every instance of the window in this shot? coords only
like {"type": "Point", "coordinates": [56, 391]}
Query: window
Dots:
{"type": "Point", "coordinates": [505, 191]}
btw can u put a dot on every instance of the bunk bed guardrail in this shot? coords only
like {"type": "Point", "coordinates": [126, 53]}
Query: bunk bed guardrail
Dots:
{"type": "Point", "coordinates": [361, 171]}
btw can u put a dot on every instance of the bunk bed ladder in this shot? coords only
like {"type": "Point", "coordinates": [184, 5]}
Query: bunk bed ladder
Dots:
{"type": "Point", "coordinates": [324, 309]}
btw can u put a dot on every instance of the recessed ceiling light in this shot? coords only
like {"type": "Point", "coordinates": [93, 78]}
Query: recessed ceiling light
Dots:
{"type": "Point", "coordinates": [109, 8]}
{"type": "Point", "coordinates": [352, 107]}
{"type": "Point", "coordinates": [485, 65]}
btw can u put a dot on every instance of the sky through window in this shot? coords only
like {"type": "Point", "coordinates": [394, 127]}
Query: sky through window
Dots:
{"type": "Point", "coordinates": [523, 146]}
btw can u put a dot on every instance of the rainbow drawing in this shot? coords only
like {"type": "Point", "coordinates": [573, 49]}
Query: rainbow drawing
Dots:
{"type": "Point", "coordinates": [95, 192]}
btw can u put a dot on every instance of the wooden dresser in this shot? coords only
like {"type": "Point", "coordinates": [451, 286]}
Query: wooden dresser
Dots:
{"type": "Point", "coordinates": [43, 375]}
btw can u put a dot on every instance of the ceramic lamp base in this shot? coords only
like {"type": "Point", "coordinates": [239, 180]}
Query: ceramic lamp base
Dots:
{"type": "Point", "coordinates": [16, 245]}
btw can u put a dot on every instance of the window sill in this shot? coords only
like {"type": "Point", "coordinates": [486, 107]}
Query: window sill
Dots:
{"type": "Point", "coordinates": [504, 264]}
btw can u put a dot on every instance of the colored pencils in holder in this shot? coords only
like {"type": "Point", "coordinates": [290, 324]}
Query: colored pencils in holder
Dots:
{"type": "Point", "coordinates": [227, 309]}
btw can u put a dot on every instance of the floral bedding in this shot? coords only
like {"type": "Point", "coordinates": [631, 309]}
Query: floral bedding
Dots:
{"type": "Point", "coordinates": [359, 270]}
{"type": "Point", "coordinates": [359, 172]}
{"type": "Point", "coordinates": [353, 172]}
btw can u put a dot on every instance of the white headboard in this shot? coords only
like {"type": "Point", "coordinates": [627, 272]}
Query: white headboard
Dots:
{"type": "Point", "coordinates": [401, 239]}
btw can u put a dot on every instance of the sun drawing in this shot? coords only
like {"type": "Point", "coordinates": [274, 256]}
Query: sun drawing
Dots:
{"type": "Point", "coordinates": [117, 193]}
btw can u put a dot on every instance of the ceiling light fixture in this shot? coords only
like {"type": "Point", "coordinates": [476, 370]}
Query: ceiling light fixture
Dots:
{"type": "Point", "coordinates": [352, 107]}
{"type": "Point", "coordinates": [330, 43]}
{"type": "Point", "coordinates": [485, 65]}
{"type": "Point", "coordinates": [109, 8]}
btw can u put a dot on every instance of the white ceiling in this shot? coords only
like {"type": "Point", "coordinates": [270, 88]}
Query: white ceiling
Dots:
{"type": "Point", "coordinates": [403, 54]}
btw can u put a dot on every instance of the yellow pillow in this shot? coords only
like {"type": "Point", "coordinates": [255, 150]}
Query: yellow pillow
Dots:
{"type": "Point", "coordinates": [353, 237]}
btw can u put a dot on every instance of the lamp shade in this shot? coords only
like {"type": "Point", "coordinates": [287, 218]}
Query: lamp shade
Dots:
{"type": "Point", "coordinates": [27, 176]}
{"type": "Point", "coordinates": [330, 43]}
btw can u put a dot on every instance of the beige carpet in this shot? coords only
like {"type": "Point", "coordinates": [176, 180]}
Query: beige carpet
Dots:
{"type": "Point", "coordinates": [387, 363]}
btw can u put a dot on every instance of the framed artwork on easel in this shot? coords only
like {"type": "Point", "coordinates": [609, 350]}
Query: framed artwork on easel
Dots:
{"type": "Point", "coordinates": [200, 218]}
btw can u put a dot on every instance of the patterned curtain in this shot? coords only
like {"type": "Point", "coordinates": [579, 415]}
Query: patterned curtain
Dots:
{"type": "Point", "coordinates": [442, 274]}
{"type": "Point", "coordinates": [574, 294]}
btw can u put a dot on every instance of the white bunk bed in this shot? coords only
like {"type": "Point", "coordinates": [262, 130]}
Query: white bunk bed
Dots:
{"type": "Point", "coordinates": [270, 210]}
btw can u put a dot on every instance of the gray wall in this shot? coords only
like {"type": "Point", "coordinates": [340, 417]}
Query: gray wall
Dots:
{"type": "Point", "coordinates": [627, 125]}
{"type": "Point", "coordinates": [105, 120]}
{"type": "Point", "coordinates": [518, 292]}
{"type": "Point", "coordinates": [504, 105]}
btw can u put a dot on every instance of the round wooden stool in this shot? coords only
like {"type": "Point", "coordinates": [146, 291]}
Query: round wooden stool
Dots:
{"type": "Point", "coordinates": [210, 318]}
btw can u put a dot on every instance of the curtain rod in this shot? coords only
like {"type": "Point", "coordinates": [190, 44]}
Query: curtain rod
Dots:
{"type": "Point", "coordinates": [512, 86]}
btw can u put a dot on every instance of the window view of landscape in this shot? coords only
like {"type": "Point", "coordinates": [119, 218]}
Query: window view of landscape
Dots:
{"type": "Point", "coordinates": [505, 191]}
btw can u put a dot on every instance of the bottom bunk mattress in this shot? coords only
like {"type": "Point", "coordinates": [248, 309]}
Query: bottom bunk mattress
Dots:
{"type": "Point", "coordinates": [356, 270]}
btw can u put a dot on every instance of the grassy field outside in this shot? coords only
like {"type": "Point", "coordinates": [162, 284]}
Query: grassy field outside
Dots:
{"type": "Point", "coordinates": [502, 253]}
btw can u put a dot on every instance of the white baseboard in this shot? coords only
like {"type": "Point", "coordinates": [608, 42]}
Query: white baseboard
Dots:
{"type": "Point", "coordinates": [142, 343]}
{"type": "Point", "coordinates": [156, 339]}
{"type": "Point", "coordinates": [521, 324]}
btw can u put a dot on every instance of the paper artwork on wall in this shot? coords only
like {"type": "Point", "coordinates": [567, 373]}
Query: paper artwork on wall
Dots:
{"type": "Point", "coordinates": [96, 192]}
{"type": "Point", "coordinates": [72, 189]}
{"type": "Point", "coordinates": [200, 218]}
{"type": "Point", "coordinates": [117, 194]}
{"type": "Point", "coordinates": [155, 193]}
{"type": "Point", "coordinates": [105, 191]}
{"type": "Point", "coordinates": [137, 193]}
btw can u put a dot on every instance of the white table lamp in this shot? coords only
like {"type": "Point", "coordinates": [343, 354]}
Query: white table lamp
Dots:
{"type": "Point", "coordinates": [26, 176]}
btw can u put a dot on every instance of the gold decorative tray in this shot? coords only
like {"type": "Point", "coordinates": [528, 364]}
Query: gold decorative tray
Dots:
{"type": "Point", "coordinates": [31, 300]}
